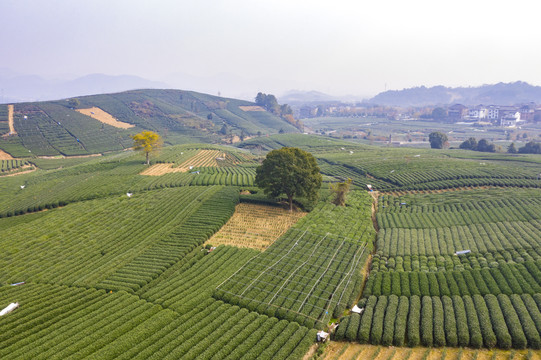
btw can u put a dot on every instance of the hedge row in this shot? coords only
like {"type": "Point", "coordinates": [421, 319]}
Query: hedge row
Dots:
{"type": "Point", "coordinates": [475, 321]}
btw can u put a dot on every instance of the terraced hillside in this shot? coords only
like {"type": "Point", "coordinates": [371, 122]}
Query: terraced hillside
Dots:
{"type": "Point", "coordinates": [102, 123]}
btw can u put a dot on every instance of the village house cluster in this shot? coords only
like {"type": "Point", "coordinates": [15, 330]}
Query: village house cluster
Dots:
{"type": "Point", "coordinates": [505, 116]}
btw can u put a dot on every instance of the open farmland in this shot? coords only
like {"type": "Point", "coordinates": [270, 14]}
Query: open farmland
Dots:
{"type": "Point", "coordinates": [110, 275]}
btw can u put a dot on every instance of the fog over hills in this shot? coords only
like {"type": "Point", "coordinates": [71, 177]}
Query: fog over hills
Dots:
{"type": "Point", "coordinates": [500, 94]}
{"type": "Point", "coordinates": [16, 87]}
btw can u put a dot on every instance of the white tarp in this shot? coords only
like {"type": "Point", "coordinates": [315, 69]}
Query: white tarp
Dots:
{"type": "Point", "coordinates": [356, 309]}
{"type": "Point", "coordinates": [9, 309]}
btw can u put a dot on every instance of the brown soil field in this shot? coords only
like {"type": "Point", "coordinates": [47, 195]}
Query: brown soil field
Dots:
{"type": "Point", "coordinates": [5, 156]}
{"type": "Point", "coordinates": [251, 108]}
{"type": "Point", "coordinates": [106, 118]}
{"type": "Point", "coordinates": [350, 351]}
{"type": "Point", "coordinates": [10, 120]}
{"type": "Point", "coordinates": [255, 226]}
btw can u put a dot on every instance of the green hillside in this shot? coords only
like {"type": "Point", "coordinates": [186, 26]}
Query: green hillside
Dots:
{"type": "Point", "coordinates": [55, 127]}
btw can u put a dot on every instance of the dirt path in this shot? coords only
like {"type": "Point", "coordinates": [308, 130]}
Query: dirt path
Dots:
{"type": "Point", "coordinates": [29, 167]}
{"type": "Point", "coordinates": [10, 120]}
{"type": "Point", "coordinates": [375, 196]}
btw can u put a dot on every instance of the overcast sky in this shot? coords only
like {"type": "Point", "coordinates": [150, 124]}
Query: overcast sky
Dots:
{"type": "Point", "coordinates": [338, 47]}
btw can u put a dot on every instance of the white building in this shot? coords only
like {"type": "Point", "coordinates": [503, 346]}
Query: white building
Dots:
{"type": "Point", "coordinates": [478, 112]}
{"type": "Point", "coordinates": [510, 119]}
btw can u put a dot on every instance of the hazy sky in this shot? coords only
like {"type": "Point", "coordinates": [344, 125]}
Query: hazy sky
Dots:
{"type": "Point", "coordinates": [335, 46]}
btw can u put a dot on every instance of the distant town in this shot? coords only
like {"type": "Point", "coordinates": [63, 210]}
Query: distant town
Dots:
{"type": "Point", "coordinates": [491, 115]}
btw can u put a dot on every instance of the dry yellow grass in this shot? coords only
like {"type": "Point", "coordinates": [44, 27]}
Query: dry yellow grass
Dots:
{"type": "Point", "coordinates": [348, 351]}
{"type": "Point", "coordinates": [204, 158]}
{"type": "Point", "coordinates": [161, 169]}
{"type": "Point", "coordinates": [10, 120]}
{"type": "Point", "coordinates": [251, 108]}
{"type": "Point", "coordinates": [255, 226]}
{"type": "Point", "coordinates": [106, 118]}
{"type": "Point", "coordinates": [5, 156]}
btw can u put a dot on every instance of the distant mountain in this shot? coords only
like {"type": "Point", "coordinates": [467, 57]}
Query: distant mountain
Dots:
{"type": "Point", "coordinates": [295, 97]}
{"type": "Point", "coordinates": [23, 88]}
{"type": "Point", "coordinates": [52, 128]}
{"type": "Point", "coordinates": [500, 94]}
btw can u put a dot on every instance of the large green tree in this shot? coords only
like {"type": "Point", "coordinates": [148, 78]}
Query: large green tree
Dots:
{"type": "Point", "coordinates": [147, 142]}
{"type": "Point", "coordinates": [437, 140]}
{"type": "Point", "coordinates": [290, 171]}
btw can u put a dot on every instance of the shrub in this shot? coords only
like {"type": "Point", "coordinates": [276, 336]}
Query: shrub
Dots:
{"type": "Point", "coordinates": [424, 287]}
{"type": "Point", "coordinates": [463, 333]}
{"type": "Point", "coordinates": [414, 319]}
{"type": "Point", "coordinates": [427, 322]}
{"type": "Point", "coordinates": [366, 320]}
{"type": "Point", "coordinates": [526, 322]}
{"type": "Point", "coordinates": [405, 284]}
{"type": "Point", "coordinates": [498, 322]}
{"type": "Point", "coordinates": [353, 327]}
{"type": "Point", "coordinates": [479, 322]}
{"type": "Point", "coordinates": [400, 322]}
{"type": "Point", "coordinates": [450, 321]}
{"type": "Point", "coordinates": [377, 320]}
{"type": "Point", "coordinates": [414, 284]}
{"type": "Point", "coordinates": [438, 321]}
{"type": "Point", "coordinates": [389, 321]}
{"type": "Point", "coordinates": [513, 322]}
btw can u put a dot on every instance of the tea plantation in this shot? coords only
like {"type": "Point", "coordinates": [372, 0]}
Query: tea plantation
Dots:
{"type": "Point", "coordinates": [107, 261]}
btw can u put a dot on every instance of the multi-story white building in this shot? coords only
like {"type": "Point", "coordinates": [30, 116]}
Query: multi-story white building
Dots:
{"type": "Point", "coordinates": [477, 113]}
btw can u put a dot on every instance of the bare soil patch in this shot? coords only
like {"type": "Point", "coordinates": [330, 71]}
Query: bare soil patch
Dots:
{"type": "Point", "coordinates": [204, 158]}
{"type": "Point", "coordinates": [10, 120]}
{"type": "Point", "coordinates": [106, 118]}
{"type": "Point", "coordinates": [5, 156]}
{"type": "Point", "coordinates": [255, 226]}
{"type": "Point", "coordinates": [251, 108]}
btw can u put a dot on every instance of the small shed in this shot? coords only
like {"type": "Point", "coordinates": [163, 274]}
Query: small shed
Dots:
{"type": "Point", "coordinates": [369, 187]}
{"type": "Point", "coordinates": [357, 309]}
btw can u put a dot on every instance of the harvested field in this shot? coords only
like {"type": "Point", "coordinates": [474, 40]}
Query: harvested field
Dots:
{"type": "Point", "coordinates": [255, 226]}
{"type": "Point", "coordinates": [251, 108]}
{"type": "Point", "coordinates": [106, 118]}
{"type": "Point", "coordinates": [346, 351]}
{"type": "Point", "coordinates": [204, 158]}
{"type": "Point", "coordinates": [5, 156]}
{"type": "Point", "coordinates": [161, 169]}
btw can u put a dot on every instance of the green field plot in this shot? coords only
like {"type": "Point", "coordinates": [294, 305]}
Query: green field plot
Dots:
{"type": "Point", "coordinates": [307, 276]}
{"type": "Point", "coordinates": [86, 242]}
{"type": "Point", "coordinates": [58, 322]}
{"type": "Point", "coordinates": [4, 125]}
{"type": "Point", "coordinates": [423, 291]}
